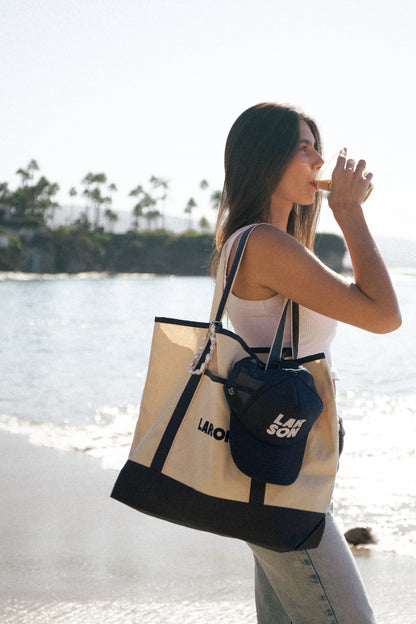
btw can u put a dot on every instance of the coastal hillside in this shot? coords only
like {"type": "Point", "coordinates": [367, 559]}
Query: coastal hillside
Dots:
{"type": "Point", "coordinates": [39, 235]}
{"type": "Point", "coordinates": [80, 248]}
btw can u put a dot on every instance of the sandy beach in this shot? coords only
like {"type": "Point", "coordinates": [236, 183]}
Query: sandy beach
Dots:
{"type": "Point", "coordinates": [70, 554]}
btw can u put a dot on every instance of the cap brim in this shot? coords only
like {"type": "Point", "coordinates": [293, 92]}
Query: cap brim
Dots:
{"type": "Point", "coordinates": [268, 463]}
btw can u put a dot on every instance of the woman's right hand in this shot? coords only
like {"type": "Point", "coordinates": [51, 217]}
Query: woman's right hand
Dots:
{"type": "Point", "coordinates": [350, 184]}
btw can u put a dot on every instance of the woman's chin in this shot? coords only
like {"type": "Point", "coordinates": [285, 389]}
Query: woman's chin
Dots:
{"type": "Point", "coordinates": [307, 200]}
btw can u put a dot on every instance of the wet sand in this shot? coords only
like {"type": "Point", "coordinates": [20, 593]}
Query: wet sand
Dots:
{"type": "Point", "coordinates": [70, 554]}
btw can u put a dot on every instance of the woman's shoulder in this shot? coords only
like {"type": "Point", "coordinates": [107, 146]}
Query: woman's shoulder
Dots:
{"type": "Point", "coordinates": [270, 250]}
{"type": "Point", "coordinates": [263, 237]}
{"type": "Point", "coordinates": [266, 247]}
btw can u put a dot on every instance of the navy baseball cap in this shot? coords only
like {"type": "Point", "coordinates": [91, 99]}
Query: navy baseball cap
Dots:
{"type": "Point", "coordinates": [272, 413]}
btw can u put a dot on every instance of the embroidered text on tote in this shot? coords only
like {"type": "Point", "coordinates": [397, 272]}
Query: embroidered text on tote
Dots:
{"type": "Point", "coordinates": [218, 433]}
{"type": "Point", "coordinates": [287, 429]}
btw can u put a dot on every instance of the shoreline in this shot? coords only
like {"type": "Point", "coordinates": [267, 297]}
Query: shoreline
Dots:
{"type": "Point", "coordinates": [68, 549]}
{"type": "Point", "coordinates": [17, 275]}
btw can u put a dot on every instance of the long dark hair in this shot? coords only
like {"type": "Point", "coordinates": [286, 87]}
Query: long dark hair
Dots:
{"type": "Point", "coordinates": [259, 146]}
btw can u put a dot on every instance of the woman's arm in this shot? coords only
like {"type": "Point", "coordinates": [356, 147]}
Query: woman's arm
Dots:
{"type": "Point", "coordinates": [275, 262]}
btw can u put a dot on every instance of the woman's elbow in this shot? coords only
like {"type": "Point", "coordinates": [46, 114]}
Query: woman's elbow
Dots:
{"type": "Point", "coordinates": [389, 322]}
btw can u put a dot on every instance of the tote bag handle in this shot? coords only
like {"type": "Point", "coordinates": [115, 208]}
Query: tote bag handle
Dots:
{"type": "Point", "coordinates": [221, 293]}
{"type": "Point", "coordinates": [202, 357]}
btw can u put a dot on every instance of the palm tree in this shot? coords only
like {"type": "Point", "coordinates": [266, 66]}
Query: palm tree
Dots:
{"type": "Point", "coordinates": [87, 181]}
{"type": "Point", "coordinates": [152, 216]}
{"type": "Point", "coordinates": [111, 217]}
{"type": "Point", "coordinates": [204, 224]}
{"type": "Point", "coordinates": [4, 197]}
{"type": "Point", "coordinates": [107, 201]}
{"type": "Point", "coordinates": [93, 183]}
{"type": "Point", "coordinates": [137, 213]}
{"type": "Point", "coordinates": [188, 210]}
{"type": "Point", "coordinates": [27, 174]}
{"type": "Point", "coordinates": [97, 201]}
{"type": "Point", "coordinates": [145, 207]}
{"type": "Point", "coordinates": [72, 193]}
{"type": "Point", "coordinates": [24, 174]}
{"type": "Point", "coordinates": [33, 201]}
{"type": "Point", "coordinates": [215, 196]}
{"type": "Point", "coordinates": [161, 184]}
{"type": "Point", "coordinates": [4, 193]}
{"type": "Point", "coordinates": [215, 199]}
{"type": "Point", "coordinates": [138, 208]}
{"type": "Point", "coordinates": [46, 205]}
{"type": "Point", "coordinates": [112, 188]}
{"type": "Point", "coordinates": [32, 166]}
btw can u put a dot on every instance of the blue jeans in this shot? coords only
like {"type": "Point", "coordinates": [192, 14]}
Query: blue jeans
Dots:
{"type": "Point", "coordinates": [317, 586]}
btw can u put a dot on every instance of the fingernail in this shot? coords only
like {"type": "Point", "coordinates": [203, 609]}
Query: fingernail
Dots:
{"type": "Point", "coordinates": [343, 151]}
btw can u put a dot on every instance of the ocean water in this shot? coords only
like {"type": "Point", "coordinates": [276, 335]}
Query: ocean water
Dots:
{"type": "Point", "coordinates": [74, 351]}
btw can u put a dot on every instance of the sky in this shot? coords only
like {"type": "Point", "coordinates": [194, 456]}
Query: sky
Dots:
{"type": "Point", "coordinates": [135, 88]}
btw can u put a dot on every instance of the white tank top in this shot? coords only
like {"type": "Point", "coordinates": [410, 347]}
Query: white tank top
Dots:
{"type": "Point", "coordinates": [256, 322]}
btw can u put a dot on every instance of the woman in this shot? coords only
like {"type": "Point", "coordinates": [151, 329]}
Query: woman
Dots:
{"type": "Point", "coordinates": [272, 157]}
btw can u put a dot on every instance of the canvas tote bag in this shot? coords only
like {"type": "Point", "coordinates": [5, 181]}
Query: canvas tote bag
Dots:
{"type": "Point", "coordinates": [180, 466]}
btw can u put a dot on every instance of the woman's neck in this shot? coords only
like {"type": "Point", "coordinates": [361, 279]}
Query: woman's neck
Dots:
{"type": "Point", "coordinates": [279, 215]}
{"type": "Point", "coordinates": [279, 220]}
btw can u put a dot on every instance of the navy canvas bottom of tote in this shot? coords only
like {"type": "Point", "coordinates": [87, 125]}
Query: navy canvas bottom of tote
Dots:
{"type": "Point", "coordinates": [276, 528]}
{"type": "Point", "coordinates": [180, 467]}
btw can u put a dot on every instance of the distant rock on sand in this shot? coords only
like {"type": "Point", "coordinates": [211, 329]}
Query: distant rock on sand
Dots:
{"type": "Point", "coordinates": [360, 536]}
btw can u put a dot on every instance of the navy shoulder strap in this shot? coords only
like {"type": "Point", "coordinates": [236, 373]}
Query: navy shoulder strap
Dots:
{"type": "Point", "coordinates": [277, 346]}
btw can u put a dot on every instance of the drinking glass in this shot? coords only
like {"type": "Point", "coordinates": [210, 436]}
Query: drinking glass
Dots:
{"type": "Point", "coordinates": [324, 176]}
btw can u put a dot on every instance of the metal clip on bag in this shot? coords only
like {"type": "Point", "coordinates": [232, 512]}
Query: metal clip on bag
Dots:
{"type": "Point", "coordinates": [213, 452]}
